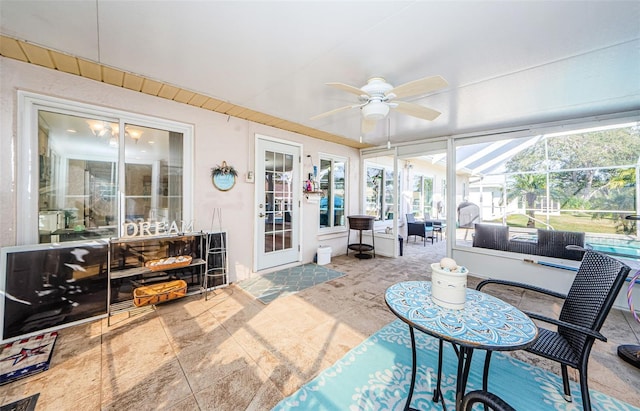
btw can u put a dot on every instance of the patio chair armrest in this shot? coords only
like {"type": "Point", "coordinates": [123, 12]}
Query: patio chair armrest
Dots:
{"type": "Point", "coordinates": [574, 327]}
{"type": "Point", "coordinates": [483, 397]}
{"type": "Point", "coordinates": [523, 286]}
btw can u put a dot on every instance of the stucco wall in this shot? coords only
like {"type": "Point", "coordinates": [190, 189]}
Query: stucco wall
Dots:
{"type": "Point", "coordinates": [217, 138]}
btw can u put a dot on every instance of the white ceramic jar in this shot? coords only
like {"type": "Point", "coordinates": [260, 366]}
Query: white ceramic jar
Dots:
{"type": "Point", "coordinates": [448, 288]}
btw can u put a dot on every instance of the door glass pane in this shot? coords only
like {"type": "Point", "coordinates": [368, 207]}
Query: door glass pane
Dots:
{"type": "Point", "coordinates": [77, 177]}
{"type": "Point", "coordinates": [153, 175]}
{"type": "Point", "coordinates": [278, 201]}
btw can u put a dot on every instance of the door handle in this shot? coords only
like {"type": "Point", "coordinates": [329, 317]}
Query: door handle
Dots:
{"type": "Point", "coordinates": [260, 215]}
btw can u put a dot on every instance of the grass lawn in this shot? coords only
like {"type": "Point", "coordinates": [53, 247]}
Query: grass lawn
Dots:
{"type": "Point", "coordinates": [568, 222]}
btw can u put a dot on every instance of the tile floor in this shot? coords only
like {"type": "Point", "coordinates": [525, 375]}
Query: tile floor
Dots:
{"type": "Point", "coordinates": [235, 353]}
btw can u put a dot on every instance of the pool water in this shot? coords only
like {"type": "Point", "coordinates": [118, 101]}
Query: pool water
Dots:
{"type": "Point", "coordinates": [620, 247]}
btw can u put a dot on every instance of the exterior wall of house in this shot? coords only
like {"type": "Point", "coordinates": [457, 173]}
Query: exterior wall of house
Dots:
{"type": "Point", "coordinates": [217, 138]}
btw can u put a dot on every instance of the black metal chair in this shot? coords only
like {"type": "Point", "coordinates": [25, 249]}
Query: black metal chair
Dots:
{"type": "Point", "coordinates": [487, 399]}
{"type": "Point", "coordinates": [585, 308]}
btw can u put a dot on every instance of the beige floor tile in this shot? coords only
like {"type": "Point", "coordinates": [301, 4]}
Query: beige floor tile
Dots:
{"type": "Point", "coordinates": [157, 386]}
{"type": "Point", "coordinates": [233, 392]}
{"type": "Point", "coordinates": [211, 358]}
{"type": "Point", "coordinates": [333, 339]}
{"type": "Point", "coordinates": [125, 348]}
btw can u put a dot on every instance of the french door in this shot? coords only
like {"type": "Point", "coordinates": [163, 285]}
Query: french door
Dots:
{"type": "Point", "coordinates": [278, 193]}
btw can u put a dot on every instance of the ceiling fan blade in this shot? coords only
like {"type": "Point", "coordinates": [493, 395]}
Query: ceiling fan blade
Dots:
{"type": "Point", "coordinates": [348, 89]}
{"type": "Point", "coordinates": [420, 86]}
{"type": "Point", "coordinates": [415, 110]}
{"type": "Point", "coordinates": [335, 110]}
{"type": "Point", "coordinates": [367, 125]}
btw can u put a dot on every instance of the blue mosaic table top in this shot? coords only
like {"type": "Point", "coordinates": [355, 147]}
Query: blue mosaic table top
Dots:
{"type": "Point", "coordinates": [485, 322]}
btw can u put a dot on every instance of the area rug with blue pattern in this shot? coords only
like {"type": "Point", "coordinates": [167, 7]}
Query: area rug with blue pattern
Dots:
{"type": "Point", "coordinates": [268, 287]}
{"type": "Point", "coordinates": [376, 376]}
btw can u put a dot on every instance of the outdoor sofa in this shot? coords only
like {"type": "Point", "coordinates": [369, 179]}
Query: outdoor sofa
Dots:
{"type": "Point", "coordinates": [548, 243]}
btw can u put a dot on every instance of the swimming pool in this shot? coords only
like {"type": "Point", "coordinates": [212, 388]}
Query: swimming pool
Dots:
{"type": "Point", "coordinates": [620, 247]}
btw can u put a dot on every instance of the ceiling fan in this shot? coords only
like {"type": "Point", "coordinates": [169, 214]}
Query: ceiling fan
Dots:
{"type": "Point", "coordinates": [377, 97]}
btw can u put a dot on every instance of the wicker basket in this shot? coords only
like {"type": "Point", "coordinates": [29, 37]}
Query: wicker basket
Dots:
{"type": "Point", "coordinates": [361, 222]}
{"type": "Point", "coordinates": [168, 263]}
{"type": "Point", "coordinates": [158, 293]}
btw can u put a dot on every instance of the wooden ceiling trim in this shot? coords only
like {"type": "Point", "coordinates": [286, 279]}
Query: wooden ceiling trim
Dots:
{"type": "Point", "coordinates": [236, 111]}
{"type": "Point", "coordinates": [167, 91]}
{"type": "Point", "coordinates": [90, 70]}
{"type": "Point", "coordinates": [30, 53]}
{"type": "Point", "coordinates": [151, 87]}
{"type": "Point", "coordinates": [183, 96]}
{"type": "Point", "coordinates": [11, 48]}
{"type": "Point", "coordinates": [112, 76]}
{"type": "Point", "coordinates": [249, 114]}
{"type": "Point", "coordinates": [222, 108]}
{"type": "Point", "coordinates": [212, 104]}
{"type": "Point", "coordinates": [38, 55]}
{"type": "Point", "coordinates": [65, 63]}
{"type": "Point", "coordinates": [275, 121]}
{"type": "Point", "coordinates": [133, 82]}
{"type": "Point", "coordinates": [256, 116]}
{"type": "Point", "coordinates": [197, 100]}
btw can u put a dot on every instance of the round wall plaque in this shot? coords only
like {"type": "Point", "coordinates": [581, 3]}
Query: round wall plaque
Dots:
{"type": "Point", "coordinates": [224, 182]}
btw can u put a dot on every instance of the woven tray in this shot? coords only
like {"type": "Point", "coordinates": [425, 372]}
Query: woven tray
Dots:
{"type": "Point", "coordinates": [168, 263]}
{"type": "Point", "coordinates": [158, 293]}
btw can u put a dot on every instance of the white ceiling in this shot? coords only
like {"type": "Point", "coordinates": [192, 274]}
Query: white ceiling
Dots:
{"type": "Point", "coordinates": [508, 63]}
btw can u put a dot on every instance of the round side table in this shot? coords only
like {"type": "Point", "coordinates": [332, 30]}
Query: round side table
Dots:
{"type": "Point", "coordinates": [361, 222]}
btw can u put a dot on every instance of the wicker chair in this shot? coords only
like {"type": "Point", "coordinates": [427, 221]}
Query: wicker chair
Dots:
{"type": "Point", "coordinates": [585, 308]}
{"type": "Point", "coordinates": [487, 399]}
{"type": "Point", "coordinates": [421, 229]}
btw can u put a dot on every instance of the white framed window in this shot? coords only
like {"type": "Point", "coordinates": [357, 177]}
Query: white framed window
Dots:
{"type": "Point", "coordinates": [333, 179]}
{"type": "Point", "coordinates": [95, 169]}
{"type": "Point", "coordinates": [380, 192]}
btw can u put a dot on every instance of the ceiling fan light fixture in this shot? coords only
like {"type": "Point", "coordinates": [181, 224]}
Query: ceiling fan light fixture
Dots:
{"type": "Point", "coordinates": [375, 110]}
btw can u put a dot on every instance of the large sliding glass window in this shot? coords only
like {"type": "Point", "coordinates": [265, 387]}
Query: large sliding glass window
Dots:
{"type": "Point", "coordinates": [333, 184]}
{"type": "Point", "coordinates": [581, 180]}
{"type": "Point", "coordinates": [98, 170]}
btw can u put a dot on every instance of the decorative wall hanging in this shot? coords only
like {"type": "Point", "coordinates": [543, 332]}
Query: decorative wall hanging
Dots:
{"type": "Point", "coordinates": [224, 176]}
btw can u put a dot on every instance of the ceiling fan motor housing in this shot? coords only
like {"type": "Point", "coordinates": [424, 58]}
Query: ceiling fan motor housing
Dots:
{"type": "Point", "coordinates": [376, 108]}
{"type": "Point", "coordinates": [377, 87]}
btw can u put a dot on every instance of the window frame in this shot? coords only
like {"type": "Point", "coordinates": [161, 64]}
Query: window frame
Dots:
{"type": "Point", "coordinates": [331, 201]}
{"type": "Point", "coordinates": [29, 104]}
{"type": "Point", "coordinates": [560, 129]}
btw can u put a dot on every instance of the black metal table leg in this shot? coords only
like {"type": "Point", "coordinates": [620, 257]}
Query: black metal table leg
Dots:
{"type": "Point", "coordinates": [464, 362]}
{"type": "Point", "coordinates": [437, 393]}
{"type": "Point", "coordinates": [485, 373]}
{"type": "Point", "coordinates": [407, 406]}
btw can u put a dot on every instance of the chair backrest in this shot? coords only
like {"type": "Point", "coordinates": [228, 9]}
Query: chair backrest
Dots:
{"type": "Point", "coordinates": [591, 296]}
{"type": "Point", "coordinates": [493, 236]}
{"type": "Point", "coordinates": [411, 218]}
{"type": "Point", "coordinates": [553, 243]}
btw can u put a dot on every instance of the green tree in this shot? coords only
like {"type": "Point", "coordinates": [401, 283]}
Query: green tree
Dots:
{"type": "Point", "coordinates": [529, 186]}
{"type": "Point", "coordinates": [581, 167]}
